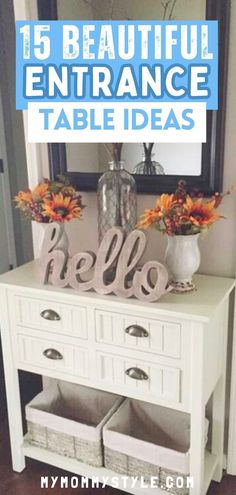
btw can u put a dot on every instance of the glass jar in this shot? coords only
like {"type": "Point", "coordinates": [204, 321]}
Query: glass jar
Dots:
{"type": "Point", "coordinates": [148, 166]}
{"type": "Point", "coordinates": [117, 200]}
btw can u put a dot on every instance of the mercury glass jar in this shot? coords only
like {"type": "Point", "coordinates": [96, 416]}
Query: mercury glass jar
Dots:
{"type": "Point", "coordinates": [117, 200]}
{"type": "Point", "coordinates": [148, 166]}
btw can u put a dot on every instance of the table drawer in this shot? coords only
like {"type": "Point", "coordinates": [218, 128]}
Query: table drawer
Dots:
{"type": "Point", "coordinates": [150, 379]}
{"type": "Point", "coordinates": [150, 335]}
{"type": "Point", "coordinates": [49, 315]}
{"type": "Point", "coordinates": [46, 354]}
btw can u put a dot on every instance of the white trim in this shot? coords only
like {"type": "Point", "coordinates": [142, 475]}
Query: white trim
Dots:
{"type": "Point", "coordinates": [25, 10]}
{"type": "Point", "coordinates": [36, 158]}
{"type": "Point", "coordinates": [231, 458]}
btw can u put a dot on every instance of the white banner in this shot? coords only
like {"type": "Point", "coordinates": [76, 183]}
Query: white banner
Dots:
{"type": "Point", "coordinates": [121, 122]}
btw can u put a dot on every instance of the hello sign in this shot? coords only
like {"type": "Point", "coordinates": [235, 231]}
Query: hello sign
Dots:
{"type": "Point", "coordinates": [115, 252]}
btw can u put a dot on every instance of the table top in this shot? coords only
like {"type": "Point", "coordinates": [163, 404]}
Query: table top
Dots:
{"type": "Point", "coordinates": [200, 304]}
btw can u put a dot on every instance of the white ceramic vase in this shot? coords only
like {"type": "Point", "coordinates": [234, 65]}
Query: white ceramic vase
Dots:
{"type": "Point", "coordinates": [183, 259]}
{"type": "Point", "coordinates": [63, 242]}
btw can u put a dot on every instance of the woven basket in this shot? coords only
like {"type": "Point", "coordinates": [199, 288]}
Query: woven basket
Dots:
{"type": "Point", "coordinates": [68, 419]}
{"type": "Point", "coordinates": [147, 441]}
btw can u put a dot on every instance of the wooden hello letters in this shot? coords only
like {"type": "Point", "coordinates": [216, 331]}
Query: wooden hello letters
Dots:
{"type": "Point", "coordinates": [116, 256]}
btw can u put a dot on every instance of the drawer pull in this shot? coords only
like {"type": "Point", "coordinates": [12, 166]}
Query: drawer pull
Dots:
{"type": "Point", "coordinates": [136, 331]}
{"type": "Point", "coordinates": [50, 314]}
{"type": "Point", "coordinates": [52, 354]}
{"type": "Point", "coordinates": [136, 374]}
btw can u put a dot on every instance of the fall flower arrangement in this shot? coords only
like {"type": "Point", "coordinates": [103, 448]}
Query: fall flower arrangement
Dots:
{"type": "Point", "coordinates": [51, 201]}
{"type": "Point", "coordinates": [182, 213]}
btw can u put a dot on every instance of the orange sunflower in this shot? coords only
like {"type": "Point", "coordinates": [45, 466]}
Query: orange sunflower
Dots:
{"type": "Point", "coordinates": [154, 215]}
{"type": "Point", "coordinates": [201, 213]}
{"type": "Point", "coordinates": [165, 202]}
{"type": "Point", "coordinates": [61, 209]}
{"type": "Point", "coordinates": [23, 198]}
{"type": "Point", "coordinates": [149, 217]}
{"type": "Point", "coordinates": [40, 190]}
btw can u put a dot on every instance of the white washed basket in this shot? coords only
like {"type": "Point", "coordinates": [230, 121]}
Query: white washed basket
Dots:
{"type": "Point", "coordinates": [68, 419]}
{"type": "Point", "coordinates": [146, 440]}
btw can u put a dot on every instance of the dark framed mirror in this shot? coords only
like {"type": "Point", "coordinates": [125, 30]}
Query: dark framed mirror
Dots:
{"type": "Point", "coordinates": [201, 165]}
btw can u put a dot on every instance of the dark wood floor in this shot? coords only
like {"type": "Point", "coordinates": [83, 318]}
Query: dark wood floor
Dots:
{"type": "Point", "coordinates": [28, 482]}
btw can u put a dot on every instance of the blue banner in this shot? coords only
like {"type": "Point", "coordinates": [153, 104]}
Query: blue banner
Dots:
{"type": "Point", "coordinates": [117, 61]}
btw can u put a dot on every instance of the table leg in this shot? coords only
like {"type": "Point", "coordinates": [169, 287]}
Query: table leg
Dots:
{"type": "Point", "coordinates": [197, 434]}
{"type": "Point", "coordinates": [12, 391]}
{"type": "Point", "coordinates": [218, 427]}
{"type": "Point", "coordinates": [218, 409]}
{"type": "Point", "coordinates": [197, 450]}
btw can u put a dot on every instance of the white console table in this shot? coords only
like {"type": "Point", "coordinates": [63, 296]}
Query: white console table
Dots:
{"type": "Point", "coordinates": [183, 354]}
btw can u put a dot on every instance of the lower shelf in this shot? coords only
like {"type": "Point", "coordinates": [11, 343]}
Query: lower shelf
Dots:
{"type": "Point", "coordinates": [105, 475]}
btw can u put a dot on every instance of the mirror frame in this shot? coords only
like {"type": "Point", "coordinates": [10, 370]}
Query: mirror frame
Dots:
{"type": "Point", "coordinates": [211, 178]}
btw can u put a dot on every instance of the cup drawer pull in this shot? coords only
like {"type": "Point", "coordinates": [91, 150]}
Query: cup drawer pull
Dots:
{"type": "Point", "coordinates": [52, 354]}
{"type": "Point", "coordinates": [50, 314]}
{"type": "Point", "coordinates": [136, 331]}
{"type": "Point", "coordinates": [136, 374]}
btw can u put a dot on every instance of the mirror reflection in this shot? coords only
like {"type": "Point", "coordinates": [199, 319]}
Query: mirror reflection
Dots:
{"type": "Point", "coordinates": [168, 159]}
{"type": "Point", "coordinates": [174, 159]}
